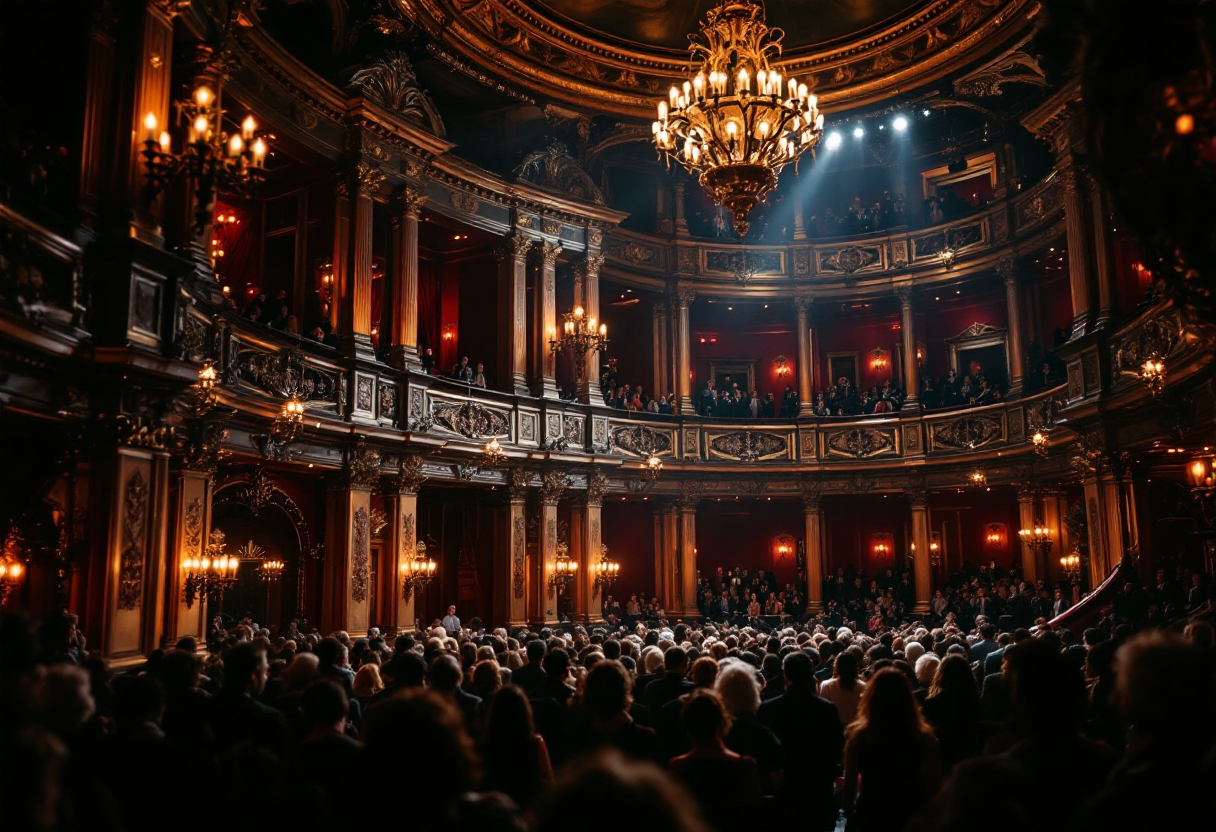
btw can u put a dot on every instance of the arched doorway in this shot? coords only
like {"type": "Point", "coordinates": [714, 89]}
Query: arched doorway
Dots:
{"type": "Point", "coordinates": [261, 522]}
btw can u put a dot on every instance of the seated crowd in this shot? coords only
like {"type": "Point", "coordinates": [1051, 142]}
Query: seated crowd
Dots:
{"type": "Point", "coordinates": [920, 726]}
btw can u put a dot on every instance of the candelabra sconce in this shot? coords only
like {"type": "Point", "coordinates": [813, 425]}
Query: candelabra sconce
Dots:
{"type": "Point", "coordinates": [270, 571]}
{"type": "Point", "coordinates": [1152, 376]}
{"type": "Point", "coordinates": [606, 572]}
{"type": "Point", "coordinates": [287, 427]}
{"type": "Point", "coordinates": [205, 398]}
{"type": "Point", "coordinates": [449, 333]}
{"type": "Point", "coordinates": [1039, 440]}
{"type": "Point", "coordinates": [935, 551]}
{"type": "Point", "coordinates": [12, 573]}
{"type": "Point", "coordinates": [564, 570]}
{"type": "Point", "coordinates": [211, 158]}
{"type": "Point", "coordinates": [493, 454]}
{"type": "Point", "coordinates": [1071, 565]}
{"type": "Point", "coordinates": [580, 337]}
{"type": "Point", "coordinates": [417, 572]}
{"type": "Point", "coordinates": [210, 574]}
{"type": "Point", "coordinates": [783, 367]}
{"type": "Point", "coordinates": [1201, 473]}
{"type": "Point", "coordinates": [882, 546]}
{"type": "Point", "coordinates": [652, 466]}
{"type": "Point", "coordinates": [994, 535]}
{"type": "Point", "coordinates": [1038, 540]}
{"type": "Point", "coordinates": [878, 360]}
{"type": "Point", "coordinates": [784, 550]}
{"type": "Point", "coordinates": [978, 478]}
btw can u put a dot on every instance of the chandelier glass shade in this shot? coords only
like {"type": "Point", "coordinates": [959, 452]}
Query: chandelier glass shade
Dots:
{"type": "Point", "coordinates": [736, 122]}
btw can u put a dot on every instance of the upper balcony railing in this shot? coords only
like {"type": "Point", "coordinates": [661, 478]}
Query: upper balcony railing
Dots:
{"type": "Point", "coordinates": [847, 263]}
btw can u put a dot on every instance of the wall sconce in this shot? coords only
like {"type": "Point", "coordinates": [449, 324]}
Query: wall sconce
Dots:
{"type": "Point", "coordinates": [493, 454]}
{"type": "Point", "coordinates": [1071, 564]}
{"type": "Point", "coordinates": [783, 367]}
{"type": "Point", "coordinates": [652, 466]}
{"type": "Point", "coordinates": [209, 575]}
{"type": "Point", "coordinates": [882, 546]}
{"type": "Point", "coordinates": [449, 333]}
{"type": "Point", "coordinates": [1038, 540]}
{"type": "Point", "coordinates": [994, 535]}
{"type": "Point", "coordinates": [416, 572]}
{"type": "Point", "coordinates": [784, 546]}
{"type": "Point", "coordinates": [978, 478]}
{"type": "Point", "coordinates": [606, 572]}
{"type": "Point", "coordinates": [1152, 376]}
{"type": "Point", "coordinates": [12, 572]}
{"type": "Point", "coordinates": [564, 570]}
{"type": "Point", "coordinates": [879, 359]}
{"type": "Point", "coordinates": [285, 430]}
{"type": "Point", "coordinates": [935, 550]}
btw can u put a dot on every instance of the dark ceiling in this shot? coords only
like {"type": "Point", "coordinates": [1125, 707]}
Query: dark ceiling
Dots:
{"type": "Point", "coordinates": [667, 23]}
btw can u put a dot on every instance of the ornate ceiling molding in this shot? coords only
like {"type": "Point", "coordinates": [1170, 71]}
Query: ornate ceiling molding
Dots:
{"type": "Point", "coordinates": [545, 55]}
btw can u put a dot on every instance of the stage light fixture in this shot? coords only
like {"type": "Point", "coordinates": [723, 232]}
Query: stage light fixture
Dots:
{"type": "Point", "coordinates": [833, 141]}
{"type": "Point", "coordinates": [858, 132]}
{"type": "Point", "coordinates": [900, 123]}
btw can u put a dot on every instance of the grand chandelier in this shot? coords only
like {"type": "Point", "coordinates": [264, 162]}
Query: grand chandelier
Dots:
{"type": "Point", "coordinates": [579, 337]}
{"type": "Point", "coordinates": [737, 122]}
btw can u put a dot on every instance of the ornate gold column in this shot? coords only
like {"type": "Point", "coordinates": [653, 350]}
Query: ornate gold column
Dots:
{"type": "Point", "coordinates": [402, 501]}
{"type": "Point", "coordinates": [353, 280]}
{"type": "Point", "coordinates": [799, 224]}
{"type": "Point", "coordinates": [921, 564]}
{"type": "Point", "coordinates": [812, 495]}
{"type": "Point", "coordinates": [1055, 508]}
{"type": "Point", "coordinates": [681, 298]}
{"type": "Point", "coordinates": [544, 367]}
{"type": "Point", "coordinates": [1031, 568]}
{"type": "Point", "coordinates": [511, 552]}
{"type": "Point", "coordinates": [668, 584]}
{"type": "Point", "coordinates": [690, 495]}
{"type": "Point", "coordinates": [191, 525]}
{"type": "Point", "coordinates": [681, 222]}
{"type": "Point", "coordinates": [1007, 268]}
{"type": "Point", "coordinates": [512, 255]}
{"type": "Point", "coordinates": [806, 395]}
{"type": "Point", "coordinates": [1080, 280]}
{"type": "Point", "coordinates": [588, 600]}
{"type": "Point", "coordinates": [1095, 530]}
{"type": "Point", "coordinates": [907, 324]}
{"type": "Point", "coordinates": [406, 211]}
{"type": "Point", "coordinates": [587, 274]}
{"type": "Point", "coordinates": [347, 586]}
{"type": "Point", "coordinates": [544, 590]}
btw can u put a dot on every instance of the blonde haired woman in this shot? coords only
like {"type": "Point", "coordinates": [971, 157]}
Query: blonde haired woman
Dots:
{"type": "Point", "coordinates": [367, 683]}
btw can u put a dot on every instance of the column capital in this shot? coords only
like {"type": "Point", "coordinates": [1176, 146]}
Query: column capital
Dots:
{"type": "Point", "coordinates": [802, 305]}
{"type": "Point", "coordinates": [588, 265]}
{"type": "Point", "coordinates": [513, 247]}
{"type": "Point", "coordinates": [690, 494]}
{"type": "Point", "coordinates": [597, 487]}
{"type": "Point", "coordinates": [1007, 268]}
{"type": "Point", "coordinates": [904, 293]}
{"type": "Point", "coordinates": [553, 486]}
{"type": "Point", "coordinates": [915, 489]}
{"type": "Point", "coordinates": [367, 179]}
{"type": "Point", "coordinates": [547, 253]}
{"type": "Point", "coordinates": [409, 476]}
{"type": "Point", "coordinates": [812, 494]}
{"type": "Point", "coordinates": [361, 469]}
{"type": "Point", "coordinates": [681, 296]}
{"type": "Point", "coordinates": [518, 481]}
{"type": "Point", "coordinates": [406, 202]}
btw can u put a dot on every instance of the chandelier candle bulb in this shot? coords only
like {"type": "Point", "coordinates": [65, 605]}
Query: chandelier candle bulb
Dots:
{"type": "Point", "coordinates": [164, 144]}
{"type": "Point", "coordinates": [150, 125]}
{"type": "Point", "coordinates": [248, 126]}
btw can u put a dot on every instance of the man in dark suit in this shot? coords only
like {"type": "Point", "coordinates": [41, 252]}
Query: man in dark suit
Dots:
{"type": "Point", "coordinates": [986, 644]}
{"type": "Point", "coordinates": [443, 677]}
{"type": "Point", "coordinates": [1059, 605]}
{"type": "Point", "coordinates": [531, 676]}
{"type": "Point", "coordinates": [813, 738]}
{"type": "Point", "coordinates": [673, 684]}
{"type": "Point", "coordinates": [235, 714]}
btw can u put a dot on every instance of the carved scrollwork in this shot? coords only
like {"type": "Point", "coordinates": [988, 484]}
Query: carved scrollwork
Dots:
{"type": "Point", "coordinates": [1155, 338]}
{"type": "Point", "coordinates": [134, 532]}
{"type": "Point", "coordinates": [597, 487]}
{"type": "Point", "coordinates": [691, 492]}
{"type": "Point", "coordinates": [518, 549]}
{"type": "Point", "coordinates": [811, 490]}
{"type": "Point", "coordinates": [915, 489]}
{"type": "Point", "coordinates": [553, 486]}
{"type": "Point", "coordinates": [360, 557]}
{"type": "Point", "coordinates": [849, 259]}
{"type": "Point", "coordinates": [861, 443]}
{"type": "Point", "coordinates": [640, 440]}
{"type": "Point", "coordinates": [362, 466]}
{"type": "Point", "coordinates": [748, 446]}
{"type": "Point", "coordinates": [283, 374]}
{"type": "Point", "coordinates": [409, 476]}
{"type": "Point", "coordinates": [555, 169]}
{"type": "Point", "coordinates": [391, 83]}
{"type": "Point", "coordinates": [968, 433]}
{"type": "Point", "coordinates": [470, 419]}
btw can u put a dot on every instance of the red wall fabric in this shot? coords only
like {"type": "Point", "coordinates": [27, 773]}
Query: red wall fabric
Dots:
{"type": "Point", "coordinates": [741, 534]}
{"type": "Point", "coordinates": [750, 332]}
{"type": "Point", "coordinates": [851, 522]}
{"type": "Point", "coordinates": [628, 532]}
{"type": "Point", "coordinates": [860, 331]}
{"type": "Point", "coordinates": [944, 319]}
{"type": "Point", "coordinates": [963, 518]}
{"type": "Point", "coordinates": [630, 332]}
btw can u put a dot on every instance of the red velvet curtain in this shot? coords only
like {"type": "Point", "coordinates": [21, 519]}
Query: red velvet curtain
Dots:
{"type": "Point", "coordinates": [430, 277]}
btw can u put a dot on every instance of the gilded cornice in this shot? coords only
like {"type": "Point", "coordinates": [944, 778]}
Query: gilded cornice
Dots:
{"type": "Point", "coordinates": [512, 39]}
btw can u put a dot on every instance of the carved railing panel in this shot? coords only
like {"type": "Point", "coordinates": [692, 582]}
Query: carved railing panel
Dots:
{"type": "Point", "coordinates": [633, 439]}
{"type": "Point", "coordinates": [861, 442]}
{"type": "Point", "coordinates": [470, 419]}
{"type": "Point", "coordinates": [967, 433]}
{"type": "Point", "coordinates": [749, 446]}
{"type": "Point", "coordinates": [1156, 337]}
{"type": "Point", "coordinates": [285, 372]}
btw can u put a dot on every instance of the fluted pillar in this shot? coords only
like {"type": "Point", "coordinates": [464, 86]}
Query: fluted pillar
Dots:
{"type": "Point", "coordinates": [668, 583]}
{"type": "Point", "coordinates": [812, 510]}
{"type": "Point", "coordinates": [401, 504]}
{"type": "Point", "coordinates": [543, 606]}
{"type": "Point", "coordinates": [1095, 530]}
{"type": "Point", "coordinates": [353, 275]}
{"type": "Point", "coordinates": [806, 396]}
{"type": "Point", "coordinates": [922, 565]}
{"type": "Point", "coordinates": [681, 222]}
{"type": "Point", "coordinates": [191, 525]}
{"type": "Point", "coordinates": [907, 323]}
{"type": "Point", "coordinates": [1080, 278]}
{"type": "Point", "coordinates": [1007, 268]}
{"type": "Point", "coordinates": [799, 224]}
{"type": "Point", "coordinates": [681, 298]}
{"type": "Point", "coordinates": [347, 586]}
{"type": "Point", "coordinates": [512, 254]}
{"type": "Point", "coordinates": [544, 361]}
{"type": "Point", "coordinates": [1055, 508]}
{"type": "Point", "coordinates": [511, 552]}
{"type": "Point", "coordinates": [690, 495]}
{"type": "Point", "coordinates": [406, 211]}
{"type": "Point", "coordinates": [587, 276]}
{"type": "Point", "coordinates": [1027, 517]}
{"type": "Point", "coordinates": [587, 519]}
